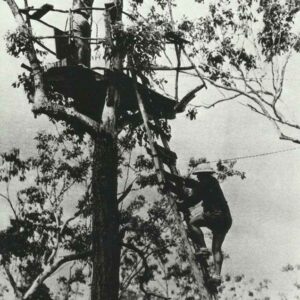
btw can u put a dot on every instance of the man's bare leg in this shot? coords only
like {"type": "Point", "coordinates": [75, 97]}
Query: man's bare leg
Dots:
{"type": "Point", "coordinates": [196, 232]}
{"type": "Point", "coordinates": [218, 239]}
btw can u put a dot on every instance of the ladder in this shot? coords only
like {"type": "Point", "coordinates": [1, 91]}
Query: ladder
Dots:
{"type": "Point", "coordinates": [172, 183]}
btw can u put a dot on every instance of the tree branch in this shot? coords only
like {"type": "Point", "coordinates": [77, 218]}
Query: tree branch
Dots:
{"type": "Point", "coordinates": [125, 193]}
{"type": "Point", "coordinates": [274, 119]}
{"type": "Point", "coordinates": [40, 101]}
{"type": "Point", "coordinates": [146, 270]}
{"type": "Point", "coordinates": [180, 107]}
{"type": "Point", "coordinates": [218, 101]}
{"type": "Point", "coordinates": [10, 204]}
{"type": "Point", "coordinates": [11, 279]}
{"type": "Point", "coordinates": [257, 101]}
{"type": "Point", "coordinates": [287, 138]}
{"type": "Point", "coordinates": [69, 115]}
{"type": "Point", "coordinates": [49, 270]}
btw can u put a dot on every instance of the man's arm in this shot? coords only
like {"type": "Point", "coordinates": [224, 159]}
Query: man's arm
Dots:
{"type": "Point", "coordinates": [187, 199]}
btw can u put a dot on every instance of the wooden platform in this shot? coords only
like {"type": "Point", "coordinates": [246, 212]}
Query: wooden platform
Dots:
{"type": "Point", "coordinates": [88, 89]}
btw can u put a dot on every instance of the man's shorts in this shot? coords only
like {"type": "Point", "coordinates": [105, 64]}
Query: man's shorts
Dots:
{"type": "Point", "coordinates": [218, 221]}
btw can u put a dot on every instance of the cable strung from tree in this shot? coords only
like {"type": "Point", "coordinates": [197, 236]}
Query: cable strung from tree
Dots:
{"type": "Point", "coordinates": [256, 155]}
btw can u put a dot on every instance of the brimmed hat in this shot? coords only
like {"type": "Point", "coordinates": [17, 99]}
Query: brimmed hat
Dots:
{"type": "Point", "coordinates": [203, 168]}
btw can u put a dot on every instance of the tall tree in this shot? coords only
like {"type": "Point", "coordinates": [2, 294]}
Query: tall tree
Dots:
{"type": "Point", "coordinates": [105, 235]}
{"type": "Point", "coordinates": [139, 45]}
{"type": "Point", "coordinates": [106, 244]}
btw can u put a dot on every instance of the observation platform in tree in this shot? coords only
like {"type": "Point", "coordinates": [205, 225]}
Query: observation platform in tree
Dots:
{"type": "Point", "coordinates": [88, 89]}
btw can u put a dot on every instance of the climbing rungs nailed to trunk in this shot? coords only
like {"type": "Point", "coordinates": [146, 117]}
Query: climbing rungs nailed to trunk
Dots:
{"type": "Point", "coordinates": [158, 130]}
{"type": "Point", "coordinates": [176, 38]}
{"type": "Point", "coordinates": [168, 157]}
{"type": "Point", "coordinates": [177, 180]}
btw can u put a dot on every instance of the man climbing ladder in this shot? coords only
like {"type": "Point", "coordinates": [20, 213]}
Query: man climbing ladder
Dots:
{"type": "Point", "coordinates": [215, 215]}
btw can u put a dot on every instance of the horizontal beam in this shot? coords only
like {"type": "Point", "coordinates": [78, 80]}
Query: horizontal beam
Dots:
{"type": "Point", "coordinates": [30, 9]}
{"type": "Point", "coordinates": [154, 68]}
{"type": "Point", "coordinates": [68, 36]}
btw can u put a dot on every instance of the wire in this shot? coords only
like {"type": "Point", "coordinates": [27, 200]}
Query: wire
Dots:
{"type": "Point", "coordinates": [256, 155]}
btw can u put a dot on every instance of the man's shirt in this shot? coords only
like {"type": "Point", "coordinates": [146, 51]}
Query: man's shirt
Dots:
{"type": "Point", "coordinates": [208, 191]}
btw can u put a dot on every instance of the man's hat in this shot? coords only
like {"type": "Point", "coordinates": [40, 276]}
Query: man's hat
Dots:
{"type": "Point", "coordinates": [203, 168]}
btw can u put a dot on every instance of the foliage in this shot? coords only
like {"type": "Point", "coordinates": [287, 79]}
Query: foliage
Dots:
{"type": "Point", "coordinates": [243, 48]}
{"type": "Point", "coordinates": [17, 43]}
{"type": "Point", "coordinates": [41, 229]}
{"type": "Point", "coordinates": [141, 42]}
{"type": "Point", "coordinates": [224, 169]}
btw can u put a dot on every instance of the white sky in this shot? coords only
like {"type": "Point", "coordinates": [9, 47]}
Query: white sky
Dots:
{"type": "Point", "coordinates": [266, 207]}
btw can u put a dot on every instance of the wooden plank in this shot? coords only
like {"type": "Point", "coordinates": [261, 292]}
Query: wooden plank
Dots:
{"type": "Point", "coordinates": [156, 68]}
{"type": "Point", "coordinates": [180, 107]}
{"type": "Point", "coordinates": [158, 130]}
{"type": "Point", "coordinates": [38, 14]}
{"type": "Point", "coordinates": [56, 64]}
{"type": "Point", "coordinates": [167, 156]}
{"type": "Point", "coordinates": [63, 48]}
{"type": "Point", "coordinates": [134, 120]}
{"type": "Point", "coordinates": [174, 178]}
{"type": "Point", "coordinates": [175, 37]}
{"type": "Point", "coordinates": [156, 105]}
{"type": "Point", "coordinates": [79, 83]}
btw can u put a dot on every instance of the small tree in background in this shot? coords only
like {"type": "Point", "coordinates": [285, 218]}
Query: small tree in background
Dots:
{"type": "Point", "coordinates": [48, 228]}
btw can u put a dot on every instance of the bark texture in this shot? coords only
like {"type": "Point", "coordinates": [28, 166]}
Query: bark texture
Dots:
{"type": "Point", "coordinates": [106, 244]}
{"type": "Point", "coordinates": [105, 236]}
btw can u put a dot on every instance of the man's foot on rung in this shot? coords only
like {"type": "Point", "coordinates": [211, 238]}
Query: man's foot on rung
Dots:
{"type": "Point", "coordinates": [203, 253]}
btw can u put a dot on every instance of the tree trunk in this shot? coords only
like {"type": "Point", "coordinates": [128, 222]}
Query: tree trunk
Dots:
{"type": "Point", "coordinates": [105, 233]}
{"type": "Point", "coordinates": [106, 244]}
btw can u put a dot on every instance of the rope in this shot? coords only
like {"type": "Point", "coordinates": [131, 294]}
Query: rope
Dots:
{"type": "Point", "coordinates": [256, 155]}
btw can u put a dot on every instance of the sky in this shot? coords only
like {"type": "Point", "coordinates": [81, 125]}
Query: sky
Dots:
{"type": "Point", "coordinates": [265, 206]}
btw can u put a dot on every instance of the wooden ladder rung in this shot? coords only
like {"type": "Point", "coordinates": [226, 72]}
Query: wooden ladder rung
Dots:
{"type": "Point", "coordinates": [168, 157]}
{"type": "Point", "coordinates": [175, 37]}
{"type": "Point", "coordinates": [43, 10]}
{"type": "Point", "coordinates": [178, 180]}
{"type": "Point", "coordinates": [158, 130]}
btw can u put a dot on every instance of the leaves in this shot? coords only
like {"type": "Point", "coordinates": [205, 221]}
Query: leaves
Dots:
{"type": "Point", "coordinates": [277, 37]}
{"type": "Point", "coordinates": [141, 42]}
{"type": "Point", "coordinates": [18, 42]}
{"type": "Point", "coordinates": [39, 229]}
{"type": "Point", "coordinates": [11, 165]}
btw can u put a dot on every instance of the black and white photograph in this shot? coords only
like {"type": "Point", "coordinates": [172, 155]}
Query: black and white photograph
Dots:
{"type": "Point", "coordinates": [149, 149]}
